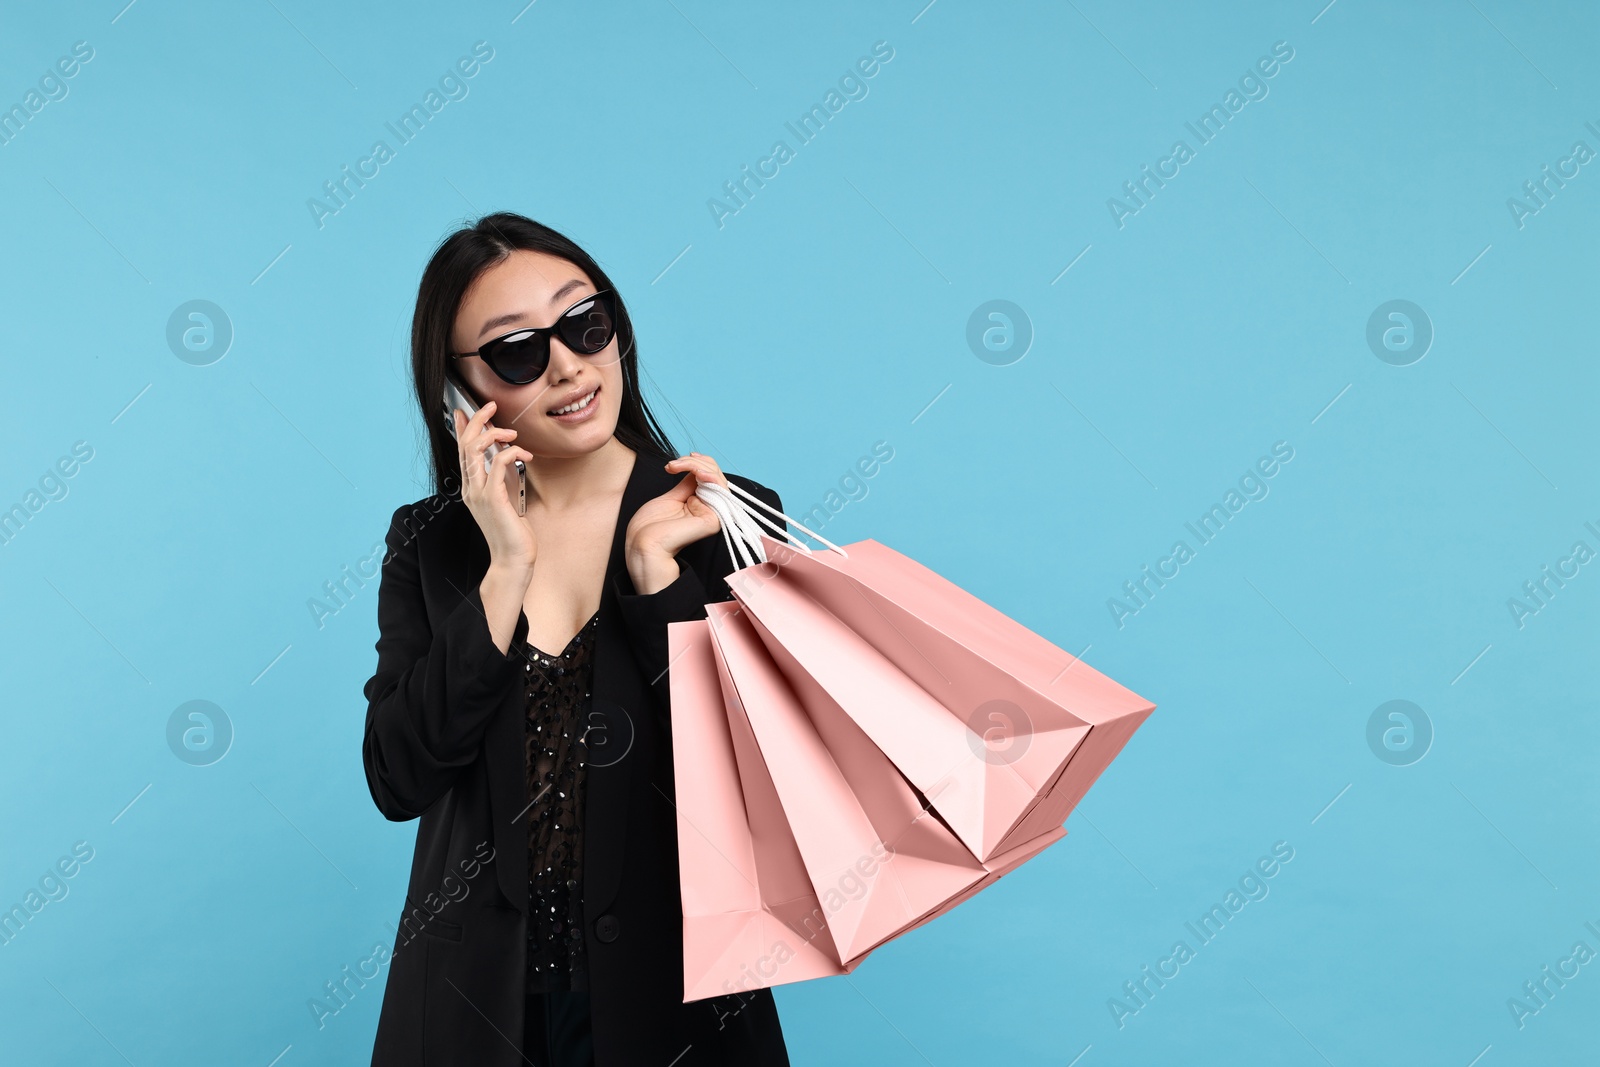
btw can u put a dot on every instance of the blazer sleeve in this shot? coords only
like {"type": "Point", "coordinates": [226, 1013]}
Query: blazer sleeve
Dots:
{"type": "Point", "coordinates": [646, 615]}
{"type": "Point", "coordinates": [434, 691]}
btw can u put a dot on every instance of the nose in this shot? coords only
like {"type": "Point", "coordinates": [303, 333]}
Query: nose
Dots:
{"type": "Point", "coordinates": [564, 363]}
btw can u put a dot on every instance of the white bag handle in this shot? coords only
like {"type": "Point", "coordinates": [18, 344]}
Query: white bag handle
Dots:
{"type": "Point", "coordinates": [732, 518]}
{"type": "Point", "coordinates": [740, 524]}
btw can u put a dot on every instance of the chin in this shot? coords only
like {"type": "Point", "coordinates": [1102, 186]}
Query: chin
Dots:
{"type": "Point", "coordinates": [581, 443]}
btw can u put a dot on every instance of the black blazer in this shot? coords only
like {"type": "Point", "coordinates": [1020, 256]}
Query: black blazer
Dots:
{"type": "Point", "coordinates": [444, 743]}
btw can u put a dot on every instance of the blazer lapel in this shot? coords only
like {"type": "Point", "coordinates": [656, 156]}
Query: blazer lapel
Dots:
{"type": "Point", "coordinates": [620, 707]}
{"type": "Point", "coordinates": [619, 704]}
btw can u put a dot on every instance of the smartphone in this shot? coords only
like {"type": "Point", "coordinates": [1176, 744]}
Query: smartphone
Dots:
{"type": "Point", "coordinates": [457, 395]}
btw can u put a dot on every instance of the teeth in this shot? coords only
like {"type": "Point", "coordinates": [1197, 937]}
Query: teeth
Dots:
{"type": "Point", "coordinates": [576, 405]}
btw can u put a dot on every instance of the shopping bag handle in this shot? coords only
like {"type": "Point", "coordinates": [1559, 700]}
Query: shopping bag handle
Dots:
{"type": "Point", "coordinates": [741, 531]}
{"type": "Point", "coordinates": [734, 520]}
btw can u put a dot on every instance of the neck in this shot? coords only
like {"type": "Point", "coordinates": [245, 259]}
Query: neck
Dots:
{"type": "Point", "coordinates": [559, 482]}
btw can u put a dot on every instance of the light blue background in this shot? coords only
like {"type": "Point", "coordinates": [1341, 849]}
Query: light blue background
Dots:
{"type": "Point", "coordinates": [828, 314]}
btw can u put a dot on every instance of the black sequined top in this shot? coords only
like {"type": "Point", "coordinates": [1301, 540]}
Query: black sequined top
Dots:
{"type": "Point", "coordinates": [558, 691]}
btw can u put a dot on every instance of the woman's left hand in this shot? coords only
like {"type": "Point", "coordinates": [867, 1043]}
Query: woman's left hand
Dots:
{"type": "Point", "coordinates": [663, 526]}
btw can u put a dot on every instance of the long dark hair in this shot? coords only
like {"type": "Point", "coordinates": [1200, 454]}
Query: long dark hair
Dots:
{"type": "Point", "coordinates": [460, 258]}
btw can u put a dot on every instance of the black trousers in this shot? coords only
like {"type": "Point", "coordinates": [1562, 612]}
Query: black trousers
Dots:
{"type": "Point", "coordinates": [556, 1031]}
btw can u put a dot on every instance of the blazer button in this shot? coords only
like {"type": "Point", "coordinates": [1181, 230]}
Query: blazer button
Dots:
{"type": "Point", "coordinates": [607, 928]}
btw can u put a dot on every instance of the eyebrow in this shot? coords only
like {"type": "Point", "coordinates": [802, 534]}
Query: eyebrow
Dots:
{"type": "Point", "coordinates": [517, 316]}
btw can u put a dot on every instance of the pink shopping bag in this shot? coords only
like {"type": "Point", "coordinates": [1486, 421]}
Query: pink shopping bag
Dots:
{"type": "Point", "coordinates": [879, 865]}
{"type": "Point", "coordinates": [752, 915]}
{"type": "Point", "coordinates": [749, 909]}
{"type": "Point", "coordinates": [1001, 730]}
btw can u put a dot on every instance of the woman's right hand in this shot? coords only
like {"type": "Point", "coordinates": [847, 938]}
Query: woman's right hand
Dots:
{"type": "Point", "coordinates": [511, 544]}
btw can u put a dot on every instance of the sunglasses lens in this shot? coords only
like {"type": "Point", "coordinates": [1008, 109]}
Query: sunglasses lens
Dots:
{"type": "Point", "coordinates": [588, 327]}
{"type": "Point", "coordinates": [521, 357]}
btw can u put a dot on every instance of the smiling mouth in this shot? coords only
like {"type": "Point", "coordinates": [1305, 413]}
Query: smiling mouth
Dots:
{"type": "Point", "coordinates": [577, 405]}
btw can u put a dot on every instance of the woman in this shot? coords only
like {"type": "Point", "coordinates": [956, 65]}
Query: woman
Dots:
{"type": "Point", "coordinates": [520, 703]}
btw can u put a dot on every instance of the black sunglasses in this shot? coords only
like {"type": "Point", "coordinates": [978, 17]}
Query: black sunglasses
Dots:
{"type": "Point", "coordinates": [521, 356]}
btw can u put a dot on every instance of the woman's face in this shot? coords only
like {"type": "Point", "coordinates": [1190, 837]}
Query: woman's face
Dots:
{"type": "Point", "coordinates": [533, 289]}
